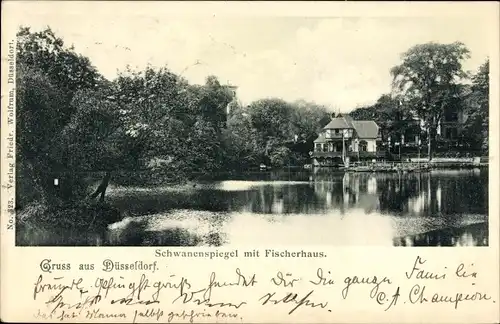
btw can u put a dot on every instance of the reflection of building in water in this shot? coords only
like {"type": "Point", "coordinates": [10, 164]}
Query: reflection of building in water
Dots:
{"type": "Point", "coordinates": [467, 239]}
{"type": "Point", "coordinates": [417, 204]}
{"type": "Point", "coordinates": [429, 192]}
{"type": "Point", "coordinates": [346, 190]}
{"type": "Point", "coordinates": [354, 190]}
{"type": "Point", "coordinates": [326, 190]}
{"type": "Point", "coordinates": [398, 187]}
{"type": "Point", "coordinates": [438, 196]}
{"type": "Point", "coordinates": [372, 185]}
{"type": "Point", "coordinates": [421, 202]}
{"type": "Point", "coordinates": [428, 200]}
{"type": "Point", "coordinates": [278, 204]}
{"type": "Point", "coordinates": [262, 197]}
{"type": "Point", "coordinates": [329, 198]}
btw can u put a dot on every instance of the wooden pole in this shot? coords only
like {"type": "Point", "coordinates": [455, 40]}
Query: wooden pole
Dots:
{"type": "Point", "coordinates": [343, 147]}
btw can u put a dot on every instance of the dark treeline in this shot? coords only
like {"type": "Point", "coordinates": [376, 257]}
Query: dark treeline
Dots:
{"type": "Point", "coordinates": [150, 125]}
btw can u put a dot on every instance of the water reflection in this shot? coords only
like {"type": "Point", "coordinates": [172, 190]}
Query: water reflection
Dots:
{"type": "Point", "coordinates": [326, 208]}
{"type": "Point", "coordinates": [420, 209]}
{"type": "Point", "coordinates": [239, 229]}
{"type": "Point", "coordinates": [471, 235]}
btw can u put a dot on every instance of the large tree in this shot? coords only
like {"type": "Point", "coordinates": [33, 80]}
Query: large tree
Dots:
{"type": "Point", "coordinates": [308, 120]}
{"type": "Point", "coordinates": [271, 119]}
{"type": "Point", "coordinates": [428, 80]}
{"type": "Point", "coordinates": [50, 75]}
{"type": "Point", "coordinates": [241, 141]}
{"type": "Point", "coordinates": [477, 123]}
{"type": "Point", "coordinates": [154, 111]}
{"type": "Point", "coordinates": [209, 103]}
{"type": "Point", "coordinates": [173, 120]}
{"type": "Point", "coordinates": [65, 68]}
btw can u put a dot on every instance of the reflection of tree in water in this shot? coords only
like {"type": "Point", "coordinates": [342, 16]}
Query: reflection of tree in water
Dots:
{"type": "Point", "coordinates": [281, 199]}
{"type": "Point", "coordinates": [448, 198]}
{"type": "Point", "coordinates": [400, 194]}
{"type": "Point", "coordinates": [394, 191]}
{"type": "Point", "coordinates": [435, 194]}
{"type": "Point", "coordinates": [472, 235]}
{"type": "Point", "coordinates": [157, 201]}
{"type": "Point", "coordinates": [417, 194]}
{"type": "Point", "coordinates": [345, 191]}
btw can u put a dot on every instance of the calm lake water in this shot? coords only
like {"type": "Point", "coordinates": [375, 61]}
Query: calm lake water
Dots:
{"type": "Point", "coordinates": [440, 208]}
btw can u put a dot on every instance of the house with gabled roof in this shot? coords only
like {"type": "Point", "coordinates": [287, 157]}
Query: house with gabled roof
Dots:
{"type": "Point", "coordinates": [345, 140]}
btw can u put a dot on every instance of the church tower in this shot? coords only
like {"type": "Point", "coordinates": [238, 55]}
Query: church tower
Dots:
{"type": "Point", "coordinates": [234, 100]}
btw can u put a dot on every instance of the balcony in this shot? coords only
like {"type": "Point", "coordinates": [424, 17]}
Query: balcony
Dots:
{"type": "Point", "coordinates": [334, 136]}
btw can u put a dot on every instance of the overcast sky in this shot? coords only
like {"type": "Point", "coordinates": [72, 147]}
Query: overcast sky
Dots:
{"type": "Point", "coordinates": [340, 62]}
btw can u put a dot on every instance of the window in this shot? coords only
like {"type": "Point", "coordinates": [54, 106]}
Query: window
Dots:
{"type": "Point", "coordinates": [337, 131]}
{"type": "Point", "coordinates": [363, 146]}
{"type": "Point", "coordinates": [318, 147]}
{"type": "Point", "coordinates": [451, 114]}
{"type": "Point", "coordinates": [325, 148]}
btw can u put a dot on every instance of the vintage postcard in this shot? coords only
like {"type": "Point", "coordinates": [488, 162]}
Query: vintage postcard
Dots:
{"type": "Point", "coordinates": [250, 162]}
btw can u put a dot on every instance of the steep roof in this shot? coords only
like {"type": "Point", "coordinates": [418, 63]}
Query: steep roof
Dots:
{"type": "Point", "coordinates": [366, 128]}
{"type": "Point", "coordinates": [337, 123]}
{"type": "Point", "coordinates": [342, 122]}
{"type": "Point", "coordinates": [321, 138]}
{"type": "Point", "coordinates": [348, 120]}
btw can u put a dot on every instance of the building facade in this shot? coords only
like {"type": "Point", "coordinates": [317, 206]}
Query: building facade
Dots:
{"type": "Point", "coordinates": [449, 131]}
{"type": "Point", "coordinates": [451, 123]}
{"type": "Point", "coordinates": [345, 140]}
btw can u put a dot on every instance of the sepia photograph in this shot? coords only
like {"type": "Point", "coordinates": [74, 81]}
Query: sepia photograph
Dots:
{"type": "Point", "coordinates": [272, 131]}
{"type": "Point", "coordinates": [250, 161]}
